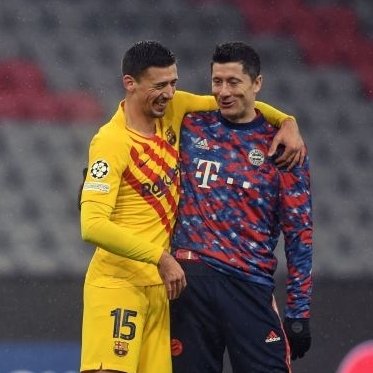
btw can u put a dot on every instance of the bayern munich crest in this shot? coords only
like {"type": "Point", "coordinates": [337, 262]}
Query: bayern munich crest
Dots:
{"type": "Point", "coordinates": [99, 169]}
{"type": "Point", "coordinates": [256, 157]}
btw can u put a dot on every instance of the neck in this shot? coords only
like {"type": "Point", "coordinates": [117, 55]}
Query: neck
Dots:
{"type": "Point", "coordinates": [245, 118]}
{"type": "Point", "coordinates": [136, 120]}
{"type": "Point", "coordinates": [249, 117]}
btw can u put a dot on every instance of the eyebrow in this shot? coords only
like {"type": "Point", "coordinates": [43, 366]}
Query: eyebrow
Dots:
{"type": "Point", "coordinates": [229, 78]}
{"type": "Point", "coordinates": [163, 82]}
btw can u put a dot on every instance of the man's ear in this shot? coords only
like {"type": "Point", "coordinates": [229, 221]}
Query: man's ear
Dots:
{"type": "Point", "coordinates": [258, 83]}
{"type": "Point", "coordinates": [129, 83]}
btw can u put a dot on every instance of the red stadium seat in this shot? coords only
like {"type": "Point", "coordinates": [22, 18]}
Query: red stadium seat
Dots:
{"type": "Point", "coordinates": [19, 76]}
{"type": "Point", "coordinates": [44, 107]}
{"type": "Point", "coordinates": [364, 70]}
{"type": "Point", "coordinates": [23, 106]}
{"type": "Point", "coordinates": [24, 96]}
{"type": "Point", "coordinates": [79, 107]}
{"type": "Point", "coordinates": [8, 105]}
{"type": "Point", "coordinates": [327, 35]}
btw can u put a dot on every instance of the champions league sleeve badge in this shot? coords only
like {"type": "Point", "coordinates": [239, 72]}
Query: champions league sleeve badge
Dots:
{"type": "Point", "coordinates": [256, 157]}
{"type": "Point", "coordinates": [99, 169]}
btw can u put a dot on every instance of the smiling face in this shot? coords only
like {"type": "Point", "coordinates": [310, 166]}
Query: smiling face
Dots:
{"type": "Point", "coordinates": [235, 91]}
{"type": "Point", "coordinates": [153, 90]}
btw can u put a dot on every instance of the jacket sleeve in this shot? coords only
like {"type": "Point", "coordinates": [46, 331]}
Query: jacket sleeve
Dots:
{"type": "Point", "coordinates": [296, 224]}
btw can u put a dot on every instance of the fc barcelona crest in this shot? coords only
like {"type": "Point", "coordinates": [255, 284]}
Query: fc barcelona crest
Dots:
{"type": "Point", "coordinates": [171, 136]}
{"type": "Point", "coordinates": [120, 348]}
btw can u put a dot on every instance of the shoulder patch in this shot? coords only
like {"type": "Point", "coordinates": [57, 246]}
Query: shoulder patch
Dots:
{"type": "Point", "coordinates": [99, 169]}
{"type": "Point", "coordinates": [96, 186]}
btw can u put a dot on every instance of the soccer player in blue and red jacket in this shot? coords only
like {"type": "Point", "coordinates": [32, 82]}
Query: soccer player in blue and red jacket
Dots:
{"type": "Point", "coordinates": [235, 202]}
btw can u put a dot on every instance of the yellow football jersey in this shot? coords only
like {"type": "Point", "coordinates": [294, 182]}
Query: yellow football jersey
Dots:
{"type": "Point", "coordinates": [138, 177]}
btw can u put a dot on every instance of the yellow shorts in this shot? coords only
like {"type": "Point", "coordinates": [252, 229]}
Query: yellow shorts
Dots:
{"type": "Point", "coordinates": [126, 329]}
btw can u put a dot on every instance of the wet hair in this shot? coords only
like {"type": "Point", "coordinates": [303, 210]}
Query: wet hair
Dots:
{"type": "Point", "coordinates": [238, 52]}
{"type": "Point", "coordinates": [145, 54]}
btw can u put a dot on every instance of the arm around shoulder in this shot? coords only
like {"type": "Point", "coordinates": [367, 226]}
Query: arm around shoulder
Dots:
{"type": "Point", "coordinates": [271, 114]}
{"type": "Point", "coordinates": [288, 135]}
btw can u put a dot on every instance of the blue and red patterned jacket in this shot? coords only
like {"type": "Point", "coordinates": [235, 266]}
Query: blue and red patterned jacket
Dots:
{"type": "Point", "coordinates": [235, 202]}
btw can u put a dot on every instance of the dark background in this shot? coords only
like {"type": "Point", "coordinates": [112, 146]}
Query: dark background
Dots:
{"type": "Point", "coordinates": [50, 310]}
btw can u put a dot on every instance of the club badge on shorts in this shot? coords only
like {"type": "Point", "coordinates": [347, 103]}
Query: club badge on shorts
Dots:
{"type": "Point", "coordinates": [176, 347]}
{"type": "Point", "coordinates": [256, 157]}
{"type": "Point", "coordinates": [120, 348]}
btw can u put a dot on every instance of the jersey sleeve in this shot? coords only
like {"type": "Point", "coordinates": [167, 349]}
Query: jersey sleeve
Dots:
{"type": "Point", "coordinates": [191, 102]}
{"type": "Point", "coordinates": [296, 224]}
{"type": "Point", "coordinates": [107, 161]}
{"type": "Point", "coordinates": [271, 114]}
{"type": "Point", "coordinates": [97, 228]}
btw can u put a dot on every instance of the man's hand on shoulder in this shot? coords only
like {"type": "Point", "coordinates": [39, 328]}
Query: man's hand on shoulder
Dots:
{"type": "Point", "coordinates": [295, 149]}
{"type": "Point", "coordinates": [172, 275]}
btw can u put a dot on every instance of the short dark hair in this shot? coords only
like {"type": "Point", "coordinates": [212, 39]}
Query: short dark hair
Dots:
{"type": "Point", "coordinates": [145, 54]}
{"type": "Point", "coordinates": [238, 51]}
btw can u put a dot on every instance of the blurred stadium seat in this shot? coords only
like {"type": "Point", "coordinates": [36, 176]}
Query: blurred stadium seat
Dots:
{"type": "Point", "coordinates": [24, 95]}
{"type": "Point", "coordinates": [60, 67]}
{"type": "Point", "coordinates": [328, 33]}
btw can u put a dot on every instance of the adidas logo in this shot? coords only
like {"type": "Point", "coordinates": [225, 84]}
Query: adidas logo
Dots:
{"type": "Point", "coordinates": [201, 144]}
{"type": "Point", "coordinates": [272, 337]}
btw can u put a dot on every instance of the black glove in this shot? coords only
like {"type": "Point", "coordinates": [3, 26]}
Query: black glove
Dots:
{"type": "Point", "coordinates": [85, 170]}
{"type": "Point", "coordinates": [299, 336]}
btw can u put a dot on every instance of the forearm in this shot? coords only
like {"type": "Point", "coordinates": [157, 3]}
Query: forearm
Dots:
{"type": "Point", "coordinates": [297, 227]}
{"type": "Point", "coordinates": [192, 102]}
{"type": "Point", "coordinates": [297, 232]}
{"type": "Point", "coordinates": [97, 228]}
{"type": "Point", "coordinates": [299, 283]}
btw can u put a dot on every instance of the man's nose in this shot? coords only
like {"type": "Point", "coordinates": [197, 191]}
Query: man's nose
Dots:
{"type": "Point", "coordinates": [224, 90]}
{"type": "Point", "coordinates": [169, 91]}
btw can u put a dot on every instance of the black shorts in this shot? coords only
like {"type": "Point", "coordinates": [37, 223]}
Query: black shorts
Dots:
{"type": "Point", "coordinates": [217, 311]}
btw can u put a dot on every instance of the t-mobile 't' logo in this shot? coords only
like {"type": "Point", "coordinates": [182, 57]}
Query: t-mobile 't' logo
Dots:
{"type": "Point", "coordinates": [207, 174]}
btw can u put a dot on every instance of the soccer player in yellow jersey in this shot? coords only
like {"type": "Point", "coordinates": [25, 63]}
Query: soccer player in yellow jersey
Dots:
{"type": "Point", "coordinates": [128, 209]}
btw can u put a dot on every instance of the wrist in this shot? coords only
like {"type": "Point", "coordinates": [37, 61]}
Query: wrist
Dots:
{"type": "Point", "coordinates": [289, 122]}
{"type": "Point", "coordinates": [298, 325]}
{"type": "Point", "coordinates": [165, 256]}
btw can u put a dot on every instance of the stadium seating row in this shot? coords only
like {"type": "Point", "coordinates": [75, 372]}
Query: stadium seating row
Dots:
{"type": "Point", "coordinates": [41, 167]}
{"type": "Point", "coordinates": [65, 52]}
{"type": "Point", "coordinates": [326, 34]}
{"type": "Point", "coordinates": [24, 95]}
